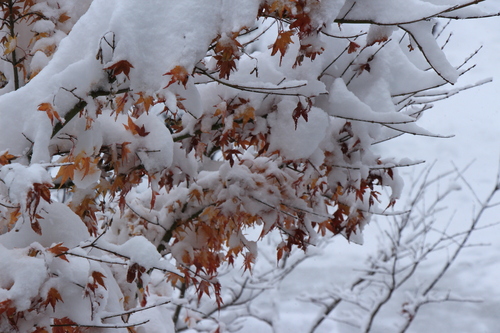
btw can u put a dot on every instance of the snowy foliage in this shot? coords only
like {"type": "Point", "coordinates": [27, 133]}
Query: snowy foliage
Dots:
{"type": "Point", "coordinates": [139, 144]}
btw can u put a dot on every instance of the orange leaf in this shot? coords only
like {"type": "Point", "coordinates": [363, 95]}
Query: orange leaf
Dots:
{"type": "Point", "coordinates": [122, 66]}
{"type": "Point", "coordinates": [85, 163]}
{"type": "Point", "coordinates": [10, 45]}
{"type": "Point", "coordinates": [14, 216]}
{"type": "Point", "coordinates": [58, 251]}
{"type": "Point", "coordinates": [282, 42]}
{"type": "Point", "coordinates": [121, 102]}
{"type": "Point", "coordinates": [51, 113]}
{"type": "Point", "coordinates": [135, 129]}
{"type": "Point", "coordinates": [247, 115]}
{"type": "Point", "coordinates": [6, 158]}
{"type": "Point", "coordinates": [66, 172]}
{"type": "Point", "coordinates": [146, 100]}
{"type": "Point", "coordinates": [53, 297]}
{"type": "Point", "coordinates": [179, 74]}
{"type": "Point", "coordinates": [125, 151]}
{"type": "Point", "coordinates": [63, 17]}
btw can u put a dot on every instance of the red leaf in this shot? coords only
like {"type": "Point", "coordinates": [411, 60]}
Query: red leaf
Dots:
{"type": "Point", "coordinates": [65, 325]}
{"type": "Point", "coordinates": [228, 155]}
{"type": "Point", "coordinates": [35, 225]}
{"type": "Point", "coordinates": [303, 23]}
{"type": "Point", "coordinates": [352, 47]}
{"type": "Point", "coordinates": [5, 305]}
{"type": "Point", "coordinates": [122, 66]}
{"type": "Point", "coordinates": [98, 278]}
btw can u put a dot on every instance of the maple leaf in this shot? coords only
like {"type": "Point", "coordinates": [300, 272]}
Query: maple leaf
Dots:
{"type": "Point", "coordinates": [282, 249]}
{"type": "Point", "coordinates": [226, 55]}
{"type": "Point", "coordinates": [303, 23]}
{"type": "Point", "coordinates": [5, 306]}
{"type": "Point", "coordinates": [39, 191]}
{"type": "Point", "coordinates": [352, 47]}
{"type": "Point", "coordinates": [35, 225]}
{"type": "Point", "coordinates": [121, 102]}
{"type": "Point", "coordinates": [179, 74]}
{"type": "Point", "coordinates": [14, 216]}
{"type": "Point", "coordinates": [51, 113]}
{"type": "Point", "coordinates": [66, 172]}
{"type": "Point", "coordinates": [146, 100]}
{"type": "Point", "coordinates": [65, 325]}
{"type": "Point", "coordinates": [300, 111]}
{"type": "Point", "coordinates": [9, 45]}
{"type": "Point", "coordinates": [363, 67]}
{"type": "Point", "coordinates": [203, 288]}
{"type": "Point", "coordinates": [63, 17]}
{"type": "Point", "coordinates": [85, 163]}
{"type": "Point", "coordinates": [281, 44]}
{"type": "Point", "coordinates": [53, 296]}
{"type": "Point", "coordinates": [279, 7]}
{"type": "Point", "coordinates": [247, 115]}
{"type": "Point", "coordinates": [135, 129]}
{"type": "Point", "coordinates": [27, 5]}
{"type": "Point", "coordinates": [228, 155]}
{"type": "Point", "coordinates": [174, 278]}
{"type": "Point", "coordinates": [196, 194]}
{"type": "Point", "coordinates": [58, 251]}
{"type": "Point", "coordinates": [98, 278]}
{"type": "Point", "coordinates": [248, 260]}
{"type": "Point", "coordinates": [135, 271]}
{"type": "Point", "coordinates": [6, 158]}
{"type": "Point", "coordinates": [125, 151]}
{"type": "Point", "coordinates": [42, 190]}
{"type": "Point", "coordinates": [122, 66]}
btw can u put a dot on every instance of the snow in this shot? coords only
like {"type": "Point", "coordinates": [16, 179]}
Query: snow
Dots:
{"type": "Point", "coordinates": [20, 277]}
{"type": "Point", "coordinates": [300, 142]}
{"type": "Point", "coordinates": [421, 32]}
{"type": "Point", "coordinates": [394, 12]}
{"type": "Point", "coordinates": [344, 104]}
{"type": "Point", "coordinates": [473, 118]}
{"type": "Point", "coordinates": [58, 222]}
{"type": "Point", "coordinates": [346, 92]}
